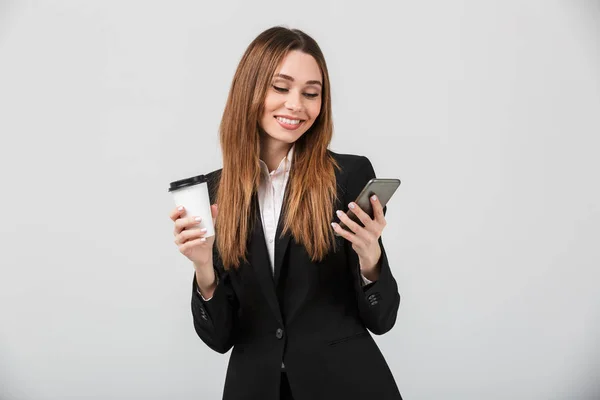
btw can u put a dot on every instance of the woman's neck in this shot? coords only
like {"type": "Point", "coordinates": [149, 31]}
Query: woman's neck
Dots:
{"type": "Point", "coordinates": [273, 153]}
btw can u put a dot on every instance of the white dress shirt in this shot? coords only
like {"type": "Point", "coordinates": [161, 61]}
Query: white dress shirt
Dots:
{"type": "Point", "coordinates": [270, 199]}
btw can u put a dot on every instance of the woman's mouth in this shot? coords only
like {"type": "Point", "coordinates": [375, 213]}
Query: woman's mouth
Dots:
{"type": "Point", "coordinates": [289, 124]}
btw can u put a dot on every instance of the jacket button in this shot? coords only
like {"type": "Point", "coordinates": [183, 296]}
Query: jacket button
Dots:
{"type": "Point", "coordinates": [279, 333]}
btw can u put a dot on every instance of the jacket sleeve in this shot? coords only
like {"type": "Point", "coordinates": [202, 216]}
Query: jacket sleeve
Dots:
{"type": "Point", "coordinates": [378, 302]}
{"type": "Point", "coordinates": [215, 320]}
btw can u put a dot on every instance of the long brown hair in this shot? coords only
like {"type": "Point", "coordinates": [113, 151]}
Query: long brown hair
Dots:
{"type": "Point", "coordinates": [311, 190]}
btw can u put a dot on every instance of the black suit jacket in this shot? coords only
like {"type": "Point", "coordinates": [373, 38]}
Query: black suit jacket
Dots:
{"type": "Point", "coordinates": [314, 317]}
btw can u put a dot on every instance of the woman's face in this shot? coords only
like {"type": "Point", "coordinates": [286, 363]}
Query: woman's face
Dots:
{"type": "Point", "coordinates": [293, 100]}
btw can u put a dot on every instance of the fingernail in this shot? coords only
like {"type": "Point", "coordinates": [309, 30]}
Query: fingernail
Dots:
{"type": "Point", "coordinates": [339, 213]}
{"type": "Point", "coordinates": [203, 239]}
{"type": "Point", "coordinates": [352, 205]}
{"type": "Point", "coordinates": [198, 219]}
{"type": "Point", "coordinates": [203, 230]}
{"type": "Point", "coordinates": [333, 224]}
{"type": "Point", "coordinates": [180, 208]}
{"type": "Point", "coordinates": [374, 198]}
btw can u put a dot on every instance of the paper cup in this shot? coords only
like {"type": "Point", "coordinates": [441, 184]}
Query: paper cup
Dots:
{"type": "Point", "coordinates": [192, 193]}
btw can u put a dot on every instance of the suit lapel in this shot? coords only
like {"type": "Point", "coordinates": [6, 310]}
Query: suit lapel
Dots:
{"type": "Point", "coordinates": [281, 243]}
{"type": "Point", "coordinates": [259, 259]}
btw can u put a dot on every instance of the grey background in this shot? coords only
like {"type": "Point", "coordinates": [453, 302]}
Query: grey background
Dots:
{"type": "Point", "coordinates": [489, 112]}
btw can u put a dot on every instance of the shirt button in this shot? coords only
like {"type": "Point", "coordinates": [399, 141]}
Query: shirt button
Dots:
{"type": "Point", "coordinates": [279, 333]}
{"type": "Point", "coordinates": [270, 240]}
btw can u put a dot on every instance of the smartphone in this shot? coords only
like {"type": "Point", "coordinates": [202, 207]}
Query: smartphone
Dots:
{"type": "Point", "coordinates": [383, 188]}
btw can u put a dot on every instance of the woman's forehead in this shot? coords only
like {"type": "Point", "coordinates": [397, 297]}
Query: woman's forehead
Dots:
{"type": "Point", "coordinates": [299, 66]}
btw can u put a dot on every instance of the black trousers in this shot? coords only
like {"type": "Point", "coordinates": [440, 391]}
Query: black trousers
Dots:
{"type": "Point", "coordinates": [285, 392]}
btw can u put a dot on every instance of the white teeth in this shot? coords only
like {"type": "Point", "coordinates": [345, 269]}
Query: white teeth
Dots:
{"type": "Point", "coordinates": [289, 121]}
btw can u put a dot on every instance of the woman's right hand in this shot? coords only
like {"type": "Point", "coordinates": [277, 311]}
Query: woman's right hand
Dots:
{"type": "Point", "coordinates": [190, 239]}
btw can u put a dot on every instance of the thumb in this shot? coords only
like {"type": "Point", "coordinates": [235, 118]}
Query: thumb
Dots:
{"type": "Point", "coordinates": [214, 210]}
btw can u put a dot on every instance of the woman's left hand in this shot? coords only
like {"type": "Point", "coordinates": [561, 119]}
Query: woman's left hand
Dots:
{"type": "Point", "coordinates": [364, 240]}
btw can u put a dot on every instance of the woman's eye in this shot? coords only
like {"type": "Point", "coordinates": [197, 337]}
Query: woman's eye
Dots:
{"type": "Point", "coordinates": [284, 90]}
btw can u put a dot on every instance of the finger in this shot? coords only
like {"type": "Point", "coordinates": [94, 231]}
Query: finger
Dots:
{"type": "Point", "coordinates": [362, 216]}
{"type": "Point", "coordinates": [180, 225]}
{"type": "Point", "coordinates": [349, 236]}
{"type": "Point", "coordinates": [189, 234]}
{"type": "Point", "coordinates": [183, 224]}
{"type": "Point", "coordinates": [350, 224]}
{"type": "Point", "coordinates": [214, 210]}
{"type": "Point", "coordinates": [377, 210]}
{"type": "Point", "coordinates": [192, 243]}
{"type": "Point", "coordinates": [178, 212]}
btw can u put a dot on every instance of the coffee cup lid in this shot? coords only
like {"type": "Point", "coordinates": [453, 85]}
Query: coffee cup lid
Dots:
{"type": "Point", "coordinates": [194, 180]}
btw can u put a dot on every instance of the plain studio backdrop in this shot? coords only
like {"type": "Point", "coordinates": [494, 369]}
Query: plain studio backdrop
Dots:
{"type": "Point", "coordinates": [488, 111]}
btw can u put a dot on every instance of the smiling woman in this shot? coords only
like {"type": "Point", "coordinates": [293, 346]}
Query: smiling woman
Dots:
{"type": "Point", "coordinates": [274, 283]}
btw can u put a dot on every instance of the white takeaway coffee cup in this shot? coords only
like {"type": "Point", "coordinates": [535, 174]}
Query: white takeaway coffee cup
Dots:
{"type": "Point", "coordinates": [192, 193]}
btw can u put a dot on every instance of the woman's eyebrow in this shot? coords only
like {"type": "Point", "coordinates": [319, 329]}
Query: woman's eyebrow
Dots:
{"type": "Point", "coordinates": [289, 78]}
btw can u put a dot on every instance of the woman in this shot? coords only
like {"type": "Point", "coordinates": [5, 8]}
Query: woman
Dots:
{"type": "Point", "coordinates": [293, 299]}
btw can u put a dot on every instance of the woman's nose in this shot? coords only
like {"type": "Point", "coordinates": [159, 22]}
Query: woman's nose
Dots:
{"type": "Point", "coordinates": [293, 106]}
{"type": "Point", "coordinates": [293, 102]}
